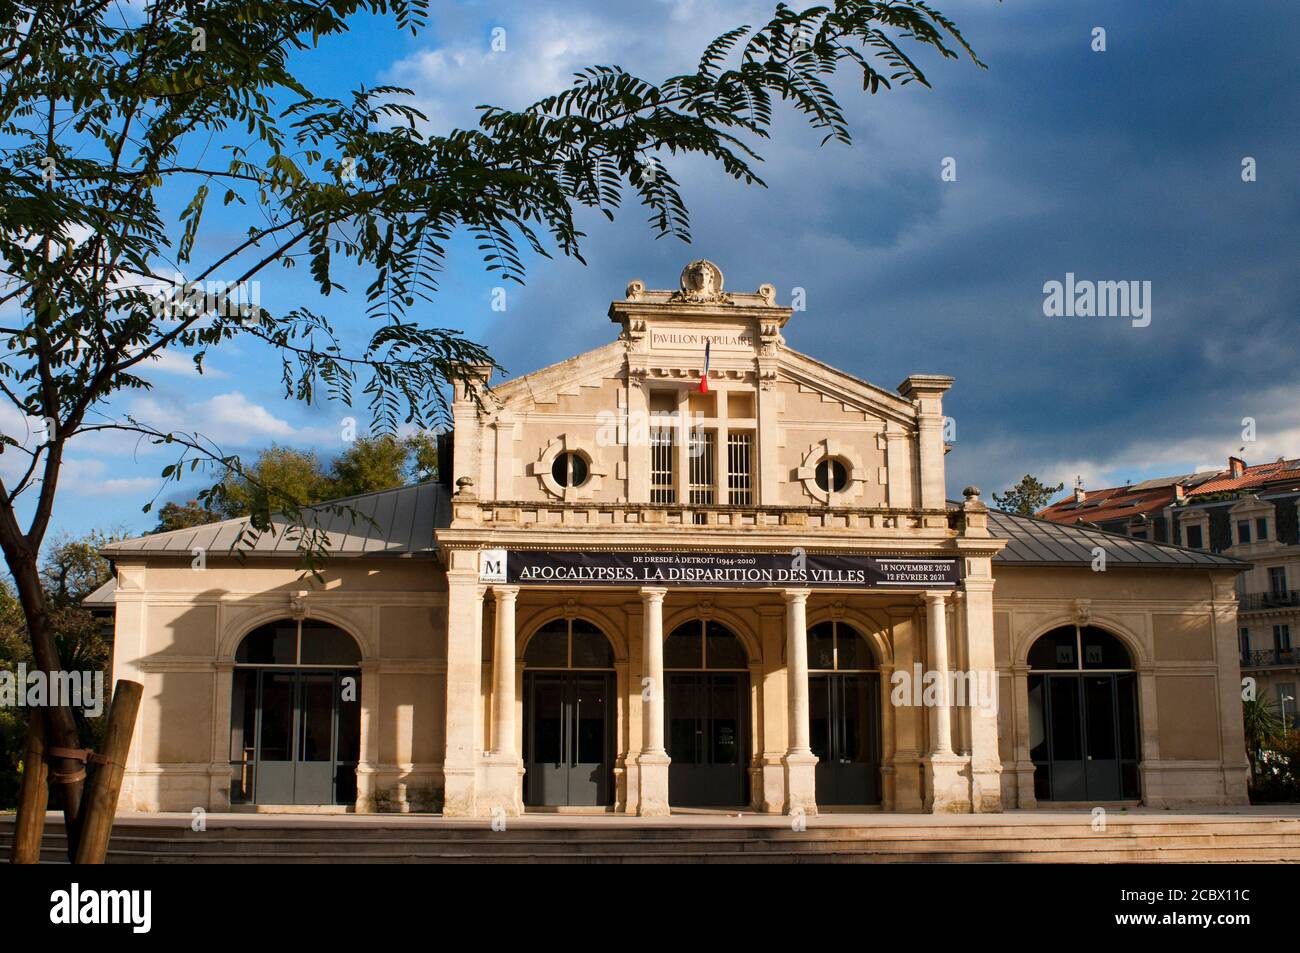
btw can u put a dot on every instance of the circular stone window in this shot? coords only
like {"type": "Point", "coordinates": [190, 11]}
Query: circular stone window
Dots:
{"type": "Point", "coordinates": [832, 475]}
{"type": "Point", "coordinates": [570, 469]}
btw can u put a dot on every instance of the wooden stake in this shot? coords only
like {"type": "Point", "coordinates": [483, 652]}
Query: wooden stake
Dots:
{"type": "Point", "coordinates": [99, 804]}
{"type": "Point", "coordinates": [34, 795]}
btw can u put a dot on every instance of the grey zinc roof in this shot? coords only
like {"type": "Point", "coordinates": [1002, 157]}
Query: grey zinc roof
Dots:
{"type": "Point", "coordinates": [397, 522]}
{"type": "Point", "coordinates": [1035, 542]}
{"type": "Point", "coordinates": [105, 597]}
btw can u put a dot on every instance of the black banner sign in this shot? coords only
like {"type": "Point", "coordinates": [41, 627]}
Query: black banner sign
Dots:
{"type": "Point", "coordinates": [751, 570]}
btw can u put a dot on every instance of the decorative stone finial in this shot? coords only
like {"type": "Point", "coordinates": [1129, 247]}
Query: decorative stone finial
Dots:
{"type": "Point", "coordinates": [767, 293]}
{"type": "Point", "coordinates": [465, 487]}
{"type": "Point", "coordinates": [701, 284]}
{"type": "Point", "coordinates": [971, 493]}
{"type": "Point", "coordinates": [635, 289]}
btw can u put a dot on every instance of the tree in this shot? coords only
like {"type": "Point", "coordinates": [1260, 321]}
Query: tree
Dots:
{"type": "Point", "coordinates": [184, 515]}
{"type": "Point", "coordinates": [108, 124]}
{"type": "Point", "coordinates": [1027, 497]}
{"type": "Point", "coordinates": [72, 569]}
{"type": "Point", "coordinates": [383, 462]}
{"type": "Point", "coordinates": [1261, 722]}
{"type": "Point", "coordinates": [278, 475]}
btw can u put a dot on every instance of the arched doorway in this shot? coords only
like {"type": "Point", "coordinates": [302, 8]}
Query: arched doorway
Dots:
{"type": "Point", "coordinates": [569, 688]}
{"type": "Point", "coordinates": [1083, 717]}
{"type": "Point", "coordinates": [295, 715]}
{"type": "Point", "coordinates": [706, 705]}
{"type": "Point", "coordinates": [844, 714]}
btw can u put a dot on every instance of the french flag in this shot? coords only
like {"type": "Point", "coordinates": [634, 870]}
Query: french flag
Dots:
{"type": "Point", "coordinates": [704, 378]}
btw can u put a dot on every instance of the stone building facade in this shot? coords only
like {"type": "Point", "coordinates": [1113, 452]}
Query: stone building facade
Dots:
{"type": "Point", "coordinates": [691, 568]}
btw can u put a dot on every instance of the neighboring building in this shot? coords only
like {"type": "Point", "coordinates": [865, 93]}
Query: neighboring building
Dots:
{"type": "Point", "coordinates": [692, 567]}
{"type": "Point", "coordinates": [1248, 512]}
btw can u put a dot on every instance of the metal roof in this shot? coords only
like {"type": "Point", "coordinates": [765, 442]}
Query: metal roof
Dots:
{"type": "Point", "coordinates": [102, 598]}
{"type": "Point", "coordinates": [398, 522]}
{"type": "Point", "coordinates": [1035, 542]}
{"type": "Point", "coordinates": [401, 522]}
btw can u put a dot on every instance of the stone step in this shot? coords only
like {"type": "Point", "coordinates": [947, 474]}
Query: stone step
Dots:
{"type": "Point", "coordinates": [1240, 840]}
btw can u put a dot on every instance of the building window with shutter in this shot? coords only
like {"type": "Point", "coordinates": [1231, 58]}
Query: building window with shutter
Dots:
{"type": "Point", "coordinates": [663, 489]}
{"type": "Point", "coordinates": [740, 468]}
{"type": "Point", "coordinates": [701, 478]}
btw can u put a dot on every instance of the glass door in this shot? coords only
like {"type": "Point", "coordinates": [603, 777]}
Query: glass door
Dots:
{"type": "Point", "coordinates": [845, 737]}
{"type": "Point", "coordinates": [568, 738]}
{"type": "Point", "coordinates": [296, 736]}
{"type": "Point", "coordinates": [707, 739]}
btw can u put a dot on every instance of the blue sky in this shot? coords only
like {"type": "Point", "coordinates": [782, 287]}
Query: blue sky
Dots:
{"type": "Point", "coordinates": [1115, 165]}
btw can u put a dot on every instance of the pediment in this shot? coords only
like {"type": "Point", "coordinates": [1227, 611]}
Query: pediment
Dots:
{"type": "Point", "coordinates": [836, 386]}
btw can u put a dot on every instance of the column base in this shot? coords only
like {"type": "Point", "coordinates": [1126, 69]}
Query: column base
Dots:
{"type": "Point", "coordinates": [499, 787]}
{"type": "Point", "coordinates": [986, 789]}
{"type": "Point", "coordinates": [800, 782]}
{"type": "Point", "coordinates": [459, 786]}
{"type": "Point", "coordinates": [652, 768]}
{"type": "Point", "coordinates": [947, 784]}
{"type": "Point", "coordinates": [771, 784]}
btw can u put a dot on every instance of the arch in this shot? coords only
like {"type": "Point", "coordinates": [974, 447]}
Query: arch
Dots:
{"type": "Point", "coordinates": [613, 631]}
{"type": "Point", "coordinates": [753, 650]}
{"type": "Point", "coordinates": [1084, 713]}
{"type": "Point", "coordinates": [1116, 658]}
{"type": "Point", "coordinates": [878, 632]}
{"type": "Point", "coordinates": [700, 627]}
{"type": "Point", "coordinates": [840, 631]}
{"type": "Point", "coordinates": [572, 633]}
{"type": "Point", "coordinates": [235, 634]}
{"type": "Point", "coordinates": [1130, 640]}
{"type": "Point", "coordinates": [320, 636]}
{"type": "Point", "coordinates": [295, 716]}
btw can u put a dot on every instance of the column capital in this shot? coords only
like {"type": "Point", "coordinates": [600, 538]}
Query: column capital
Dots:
{"type": "Point", "coordinates": [937, 596]}
{"type": "Point", "coordinates": [505, 593]}
{"type": "Point", "coordinates": [652, 594]}
{"type": "Point", "coordinates": [794, 596]}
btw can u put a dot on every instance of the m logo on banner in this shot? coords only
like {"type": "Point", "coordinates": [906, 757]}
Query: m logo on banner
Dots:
{"type": "Point", "coordinates": [492, 566]}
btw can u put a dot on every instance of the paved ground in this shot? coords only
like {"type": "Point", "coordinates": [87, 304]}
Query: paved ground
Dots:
{"type": "Point", "coordinates": [704, 819]}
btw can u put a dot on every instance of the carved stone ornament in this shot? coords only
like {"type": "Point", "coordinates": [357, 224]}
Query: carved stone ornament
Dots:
{"type": "Point", "coordinates": [298, 606]}
{"type": "Point", "coordinates": [635, 289]}
{"type": "Point", "coordinates": [1082, 611]}
{"type": "Point", "coordinates": [701, 284]}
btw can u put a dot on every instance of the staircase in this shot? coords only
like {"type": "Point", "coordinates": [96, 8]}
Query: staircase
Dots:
{"type": "Point", "coordinates": [163, 839]}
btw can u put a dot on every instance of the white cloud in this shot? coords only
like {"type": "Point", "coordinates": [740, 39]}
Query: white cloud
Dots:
{"type": "Point", "coordinates": [86, 477]}
{"type": "Point", "coordinates": [227, 419]}
{"type": "Point", "coordinates": [538, 60]}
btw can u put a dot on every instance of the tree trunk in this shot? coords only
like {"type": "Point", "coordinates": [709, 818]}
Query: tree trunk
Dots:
{"type": "Point", "coordinates": [60, 726]}
{"type": "Point", "coordinates": [28, 832]}
{"type": "Point", "coordinates": [101, 800]}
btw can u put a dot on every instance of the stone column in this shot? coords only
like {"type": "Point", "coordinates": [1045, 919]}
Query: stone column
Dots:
{"type": "Point", "coordinates": [503, 672]}
{"type": "Point", "coordinates": [937, 631]}
{"type": "Point", "coordinates": [464, 677]}
{"type": "Point", "coordinates": [947, 790]}
{"type": "Point", "coordinates": [368, 755]}
{"type": "Point", "coordinates": [1024, 765]}
{"type": "Point", "coordinates": [985, 756]}
{"type": "Point", "coordinates": [500, 781]}
{"type": "Point", "coordinates": [799, 761]}
{"type": "Point", "coordinates": [653, 761]}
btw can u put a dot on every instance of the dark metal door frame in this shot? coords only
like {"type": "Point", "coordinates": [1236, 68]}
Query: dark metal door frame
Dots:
{"type": "Point", "coordinates": [841, 778]}
{"type": "Point", "coordinates": [702, 782]}
{"type": "Point", "coordinates": [1091, 774]}
{"type": "Point", "coordinates": [296, 727]}
{"type": "Point", "coordinates": [568, 768]}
